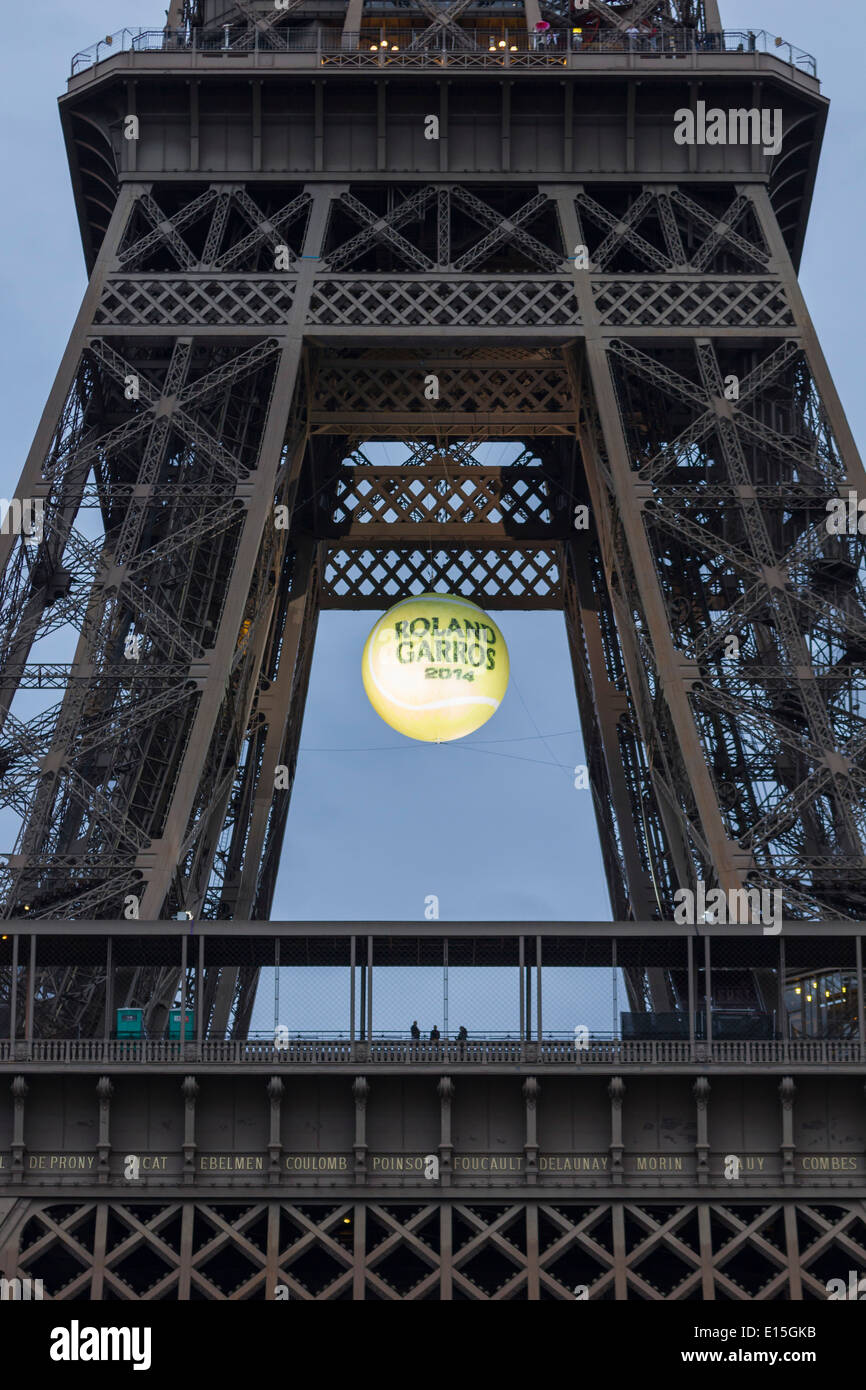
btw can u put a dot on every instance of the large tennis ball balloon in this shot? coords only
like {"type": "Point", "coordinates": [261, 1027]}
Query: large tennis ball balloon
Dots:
{"type": "Point", "coordinates": [435, 667]}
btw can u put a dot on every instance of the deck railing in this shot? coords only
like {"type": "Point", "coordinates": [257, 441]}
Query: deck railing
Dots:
{"type": "Point", "coordinates": [488, 47]}
{"type": "Point", "coordinates": [388, 1052]}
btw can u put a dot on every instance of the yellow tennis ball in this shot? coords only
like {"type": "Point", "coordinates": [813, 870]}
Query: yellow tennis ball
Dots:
{"type": "Point", "coordinates": [435, 667]}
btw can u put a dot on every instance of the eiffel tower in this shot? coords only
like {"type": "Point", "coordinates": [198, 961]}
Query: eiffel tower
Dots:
{"type": "Point", "coordinates": [442, 224]}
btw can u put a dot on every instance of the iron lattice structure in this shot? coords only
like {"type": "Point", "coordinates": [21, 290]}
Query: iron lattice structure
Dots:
{"type": "Point", "coordinates": [280, 263]}
{"type": "Point", "coordinates": [453, 1251]}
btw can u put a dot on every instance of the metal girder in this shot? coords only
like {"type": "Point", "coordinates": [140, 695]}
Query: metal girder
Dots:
{"type": "Point", "coordinates": [504, 229]}
{"type": "Point", "coordinates": [262, 24]}
{"type": "Point", "coordinates": [162, 775]}
{"type": "Point", "coordinates": [383, 229]}
{"type": "Point", "coordinates": [378, 396]}
{"type": "Point", "coordinates": [709, 229]}
{"type": "Point", "coordinates": [469, 1245]}
{"type": "Point", "coordinates": [444, 21]}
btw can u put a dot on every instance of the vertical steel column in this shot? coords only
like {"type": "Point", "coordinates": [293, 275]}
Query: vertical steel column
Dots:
{"type": "Point", "coordinates": [787, 1091]}
{"type": "Point", "coordinates": [861, 1015]}
{"type": "Point", "coordinates": [199, 998]}
{"type": "Point", "coordinates": [792, 1250]}
{"type": "Point", "coordinates": [352, 968]}
{"type": "Point", "coordinates": [674, 672]}
{"type": "Point", "coordinates": [104, 1091]}
{"type": "Point", "coordinates": [13, 995]}
{"type": "Point", "coordinates": [276, 984]}
{"type": "Point", "coordinates": [186, 1237]}
{"type": "Point", "coordinates": [275, 705]}
{"type": "Point", "coordinates": [538, 990]}
{"type": "Point", "coordinates": [19, 1090]}
{"type": "Point", "coordinates": [446, 1253]}
{"type": "Point", "coordinates": [30, 1000]}
{"type": "Point", "coordinates": [602, 706]}
{"type": "Point", "coordinates": [616, 1031]}
{"type": "Point", "coordinates": [531, 1091]}
{"type": "Point", "coordinates": [275, 1144]}
{"type": "Point", "coordinates": [359, 1251]}
{"type": "Point", "coordinates": [780, 1028]}
{"type": "Point", "coordinates": [620, 1252]}
{"type": "Point", "coordinates": [370, 991]}
{"type": "Point", "coordinates": [183, 965]}
{"type": "Point", "coordinates": [259, 492]}
{"type": "Point", "coordinates": [445, 1091]}
{"type": "Point", "coordinates": [100, 1232]}
{"type": "Point", "coordinates": [533, 1291]}
{"type": "Point", "coordinates": [701, 1093]}
{"type": "Point", "coordinates": [31, 474]}
{"type": "Point", "coordinates": [705, 1245]}
{"type": "Point", "coordinates": [109, 989]}
{"type": "Point", "coordinates": [784, 268]}
{"type": "Point", "coordinates": [362, 1002]}
{"type": "Point", "coordinates": [272, 1251]}
{"type": "Point", "coordinates": [690, 948]}
{"type": "Point", "coordinates": [616, 1094]}
{"type": "Point", "coordinates": [189, 1090]}
{"type": "Point", "coordinates": [708, 993]}
{"type": "Point", "coordinates": [360, 1093]}
{"type": "Point", "coordinates": [784, 1024]}
{"type": "Point", "coordinates": [520, 964]}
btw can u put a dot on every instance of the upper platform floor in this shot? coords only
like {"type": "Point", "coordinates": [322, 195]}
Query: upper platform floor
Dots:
{"type": "Point", "coordinates": [396, 40]}
{"type": "Point", "coordinates": [497, 99]}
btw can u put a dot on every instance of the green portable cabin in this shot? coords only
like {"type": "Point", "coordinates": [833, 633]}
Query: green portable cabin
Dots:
{"type": "Point", "coordinates": [174, 1025]}
{"type": "Point", "coordinates": [130, 1024]}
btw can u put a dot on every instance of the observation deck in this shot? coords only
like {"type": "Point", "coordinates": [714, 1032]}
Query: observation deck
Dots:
{"type": "Point", "coordinates": [664, 996]}
{"type": "Point", "coordinates": [498, 45]}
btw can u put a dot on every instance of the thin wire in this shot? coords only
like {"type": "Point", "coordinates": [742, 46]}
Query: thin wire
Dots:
{"type": "Point", "coordinates": [418, 743]}
{"type": "Point", "coordinates": [514, 757]}
{"type": "Point", "coordinates": [473, 747]}
{"type": "Point", "coordinates": [538, 732]}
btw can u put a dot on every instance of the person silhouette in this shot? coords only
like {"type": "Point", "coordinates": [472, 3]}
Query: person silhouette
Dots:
{"type": "Point", "coordinates": [462, 1036]}
{"type": "Point", "coordinates": [415, 1031]}
{"type": "Point", "coordinates": [434, 1034]}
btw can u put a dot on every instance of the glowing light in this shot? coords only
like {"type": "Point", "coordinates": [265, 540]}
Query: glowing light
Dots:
{"type": "Point", "coordinates": [435, 667]}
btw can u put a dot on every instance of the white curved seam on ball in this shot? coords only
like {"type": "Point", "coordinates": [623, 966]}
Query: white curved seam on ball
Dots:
{"type": "Point", "coordinates": [441, 704]}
